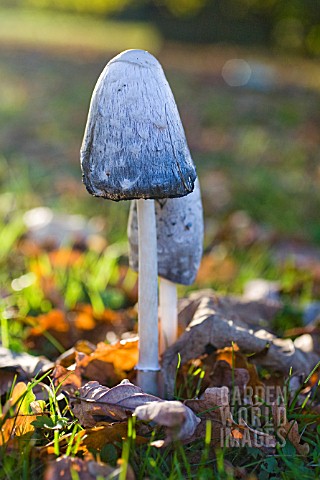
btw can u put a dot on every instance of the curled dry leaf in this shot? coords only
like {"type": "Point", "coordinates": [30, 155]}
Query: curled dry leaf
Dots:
{"type": "Point", "coordinates": [179, 420]}
{"type": "Point", "coordinates": [220, 322]}
{"type": "Point", "coordinates": [97, 402]}
{"type": "Point", "coordinates": [288, 430]}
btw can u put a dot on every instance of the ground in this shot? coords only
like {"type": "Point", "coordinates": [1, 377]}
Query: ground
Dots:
{"type": "Point", "coordinates": [255, 146]}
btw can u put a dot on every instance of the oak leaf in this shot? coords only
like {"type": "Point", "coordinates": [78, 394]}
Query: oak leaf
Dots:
{"type": "Point", "coordinates": [288, 429]}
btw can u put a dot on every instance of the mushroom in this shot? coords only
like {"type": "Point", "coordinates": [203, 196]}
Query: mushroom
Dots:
{"type": "Point", "coordinates": [134, 147]}
{"type": "Point", "coordinates": [179, 223]}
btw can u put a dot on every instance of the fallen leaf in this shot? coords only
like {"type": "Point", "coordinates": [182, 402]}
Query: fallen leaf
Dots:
{"type": "Point", "coordinates": [16, 427]}
{"type": "Point", "coordinates": [69, 380]}
{"type": "Point", "coordinates": [84, 321]}
{"type": "Point", "coordinates": [250, 437]}
{"type": "Point", "coordinates": [68, 358]}
{"type": "Point", "coordinates": [244, 373]}
{"type": "Point", "coordinates": [97, 402]}
{"type": "Point", "coordinates": [288, 429]}
{"type": "Point", "coordinates": [213, 405]}
{"type": "Point", "coordinates": [223, 374]}
{"type": "Point", "coordinates": [179, 420]}
{"type": "Point", "coordinates": [219, 322]}
{"type": "Point", "coordinates": [123, 355]}
{"type": "Point", "coordinates": [69, 468]}
{"type": "Point", "coordinates": [213, 268]}
{"type": "Point", "coordinates": [112, 361]}
{"type": "Point", "coordinates": [95, 438]}
{"type": "Point", "coordinates": [54, 324]}
{"type": "Point", "coordinates": [25, 365]}
{"type": "Point", "coordinates": [21, 398]}
{"type": "Point", "coordinates": [54, 320]}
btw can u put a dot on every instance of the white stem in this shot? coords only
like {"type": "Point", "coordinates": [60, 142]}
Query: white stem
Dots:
{"type": "Point", "coordinates": [148, 362]}
{"type": "Point", "coordinates": [168, 306]}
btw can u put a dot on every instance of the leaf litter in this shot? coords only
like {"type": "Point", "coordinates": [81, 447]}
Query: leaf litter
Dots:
{"type": "Point", "coordinates": [230, 338]}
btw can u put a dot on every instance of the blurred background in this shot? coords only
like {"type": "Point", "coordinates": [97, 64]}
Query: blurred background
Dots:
{"type": "Point", "coordinates": [246, 78]}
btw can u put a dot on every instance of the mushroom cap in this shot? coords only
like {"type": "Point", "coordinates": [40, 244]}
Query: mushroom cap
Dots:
{"type": "Point", "coordinates": [179, 224]}
{"type": "Point", "coordinates": [134, 144]}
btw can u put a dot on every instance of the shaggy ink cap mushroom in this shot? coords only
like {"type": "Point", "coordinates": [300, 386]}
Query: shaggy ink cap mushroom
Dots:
{"type": "Point", "coordinates": [134, 144]}
{"type": "Point", "coordinates": [179, 223]}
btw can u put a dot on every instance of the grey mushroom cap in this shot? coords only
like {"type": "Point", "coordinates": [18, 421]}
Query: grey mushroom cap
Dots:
{"type": "Point", "coordinates": [179, 224]}
{"type": "Point", "coordinates": [134, 144]}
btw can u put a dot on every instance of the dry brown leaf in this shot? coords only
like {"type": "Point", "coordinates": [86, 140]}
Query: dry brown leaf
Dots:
{"type": "Point", "coordinates": [241, 373]}
{"type": "Point", "coordinates": [123, 355]}
{"type": "Point", "coordinates": [95, 438]}
{"type": "Point", "coordinates": [70, 380]}
{"type": "Point", "coordinates": [224, 375]}
{"type": "Point", "coordinates": [54, 320]}
{"type": "Point", "coordinates": [214, 268]}
{"type": "Point", "coordinates": [109, 316]}
{"type": "Point", "coordinates": [179, 420]}
{"type": "Point", "coordinates": [103, 372]}
{"type": "Point", "coordinates": [219, 322]}
{"type": "Point", "coordinates": [19, 390]}
{"type": "Point", "coordinates": [213, 405]}
{"type": "Point", "coordinates": [84, 321]}
{"type": "Point", "coordinates": [247, 436]}
{"type": "Point", "coordinates": [96, 402]}
{"type": "Point", "coordinates": [16, 427]}
{"type": "Point", "coordinates": [110, 362]}
{"type": "Point", "coordinates": [83, 470]}
{"type": "Point", "coordinates": [68, 358]}
{"type": "Point", "coordinates": [288, 430]}
{"type": "Point", "coordinates": [24, 365]}
{"type": "Point", "coordinates": [21, 397]}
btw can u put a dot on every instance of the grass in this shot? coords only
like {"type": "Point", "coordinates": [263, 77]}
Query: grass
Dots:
{"type": "Point", "coordinates": [32, 27]}
{"type": "Point", "coordinates": [198, 461]}
{"type": "Point", "coordinates": [256, 153]}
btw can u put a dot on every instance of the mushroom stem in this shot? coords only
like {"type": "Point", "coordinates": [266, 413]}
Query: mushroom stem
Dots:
{"type": "Point", "coordinates": [168, 306]}
{"type": "Point", "coordinates": [148, 364]}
